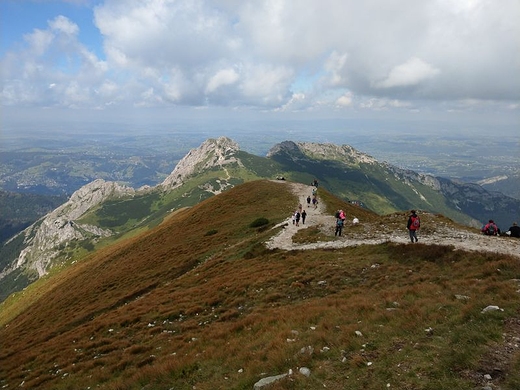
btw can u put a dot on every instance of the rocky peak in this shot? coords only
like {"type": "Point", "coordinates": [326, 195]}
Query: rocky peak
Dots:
{"type": "Point", "coordinates": [43, 240]}
{"type": "Point", "coordinates": [212, 153]}
{"type": "Point", "coordinates": [288, 147]}
{"type": "Point", "coordinates": [344, 153]}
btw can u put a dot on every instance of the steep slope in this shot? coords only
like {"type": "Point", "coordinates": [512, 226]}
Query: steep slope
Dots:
{"type": "Point", "coordinates": [102, 210]}
{"type": "Point", "coordinates": [199, 301]}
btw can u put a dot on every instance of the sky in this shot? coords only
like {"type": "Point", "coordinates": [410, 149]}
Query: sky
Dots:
{"type": "Point", "coordinates": [456, 62]}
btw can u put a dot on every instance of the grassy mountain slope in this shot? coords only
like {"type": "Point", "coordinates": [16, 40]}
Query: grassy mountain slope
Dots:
{"type": "Point", "coordinates": [383, 188]}
{"type": "Point", "coordinates": [199, 301]}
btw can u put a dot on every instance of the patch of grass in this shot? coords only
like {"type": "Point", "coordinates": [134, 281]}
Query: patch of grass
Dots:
{"type": "Point", "coordinates": [310, 235]}
{"type": "Point", "coordinates": [211, 232]}
{"type": "Point", "coordinates": [259, 222]}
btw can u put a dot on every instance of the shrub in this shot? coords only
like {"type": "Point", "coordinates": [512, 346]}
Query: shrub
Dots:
{"type": "Point", "coordinates": [259, 222]}
{"type": "Point", "coordinates": [211, 232]}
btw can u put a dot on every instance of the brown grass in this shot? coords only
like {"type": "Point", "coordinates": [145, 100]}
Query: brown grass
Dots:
{"type": "Point", "coordinates": [176, 308]}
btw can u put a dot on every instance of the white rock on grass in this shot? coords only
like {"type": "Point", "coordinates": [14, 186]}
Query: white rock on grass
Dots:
{"type": "Point", "coordinates": [268, 380]}
{"type": "Point", "coordinates": [491, 308]}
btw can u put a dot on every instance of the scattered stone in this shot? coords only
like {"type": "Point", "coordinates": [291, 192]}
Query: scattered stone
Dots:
{"type": "Point", "coordinates": [322, 283]}
{"type": "Point", "coordinates": [268, 380]}
{"type": "Point", "coordinates": [358, 333]}
{"type": "Point", "coordinates": [305, 371]}
{"type": "Point", "coordinates": [491, 308]}
{"type": "Point", "coordinates": [461, 297]}
{"type": "Point", "coordinates": [487, 377]}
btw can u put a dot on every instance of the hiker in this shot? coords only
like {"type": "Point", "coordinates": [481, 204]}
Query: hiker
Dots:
{"type": "Point", "coordinates": [342, 215]}
{"type": "Point", "coordinates": [304, 215]}
{"type": "Point", "coordinates": [514, 231]}
{"type": "Point", "coordinates": [339, 227]}
{"type": "Point", "coordinates": [297, 218]}
{"type": "Point", "coordinates": [490, 229]}
{"type": "Point", "coordinates": [315, 202]}
{"type": "Point", "coordinates": [414, 223]}
{"type": "Point", "coordinates": [309, 201]}
{"type": "Point", "coordinates": [294, 218]}
{"type": "Point", "coordinates": [300, 207]}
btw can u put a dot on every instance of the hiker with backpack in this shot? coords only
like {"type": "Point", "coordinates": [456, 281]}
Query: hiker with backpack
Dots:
{"type": "Point", "coordinates": [339, 226]}
{"type": "Point", "coordinates": [414, 223]}
{"type": "Point", "coordinates": [490, 229]}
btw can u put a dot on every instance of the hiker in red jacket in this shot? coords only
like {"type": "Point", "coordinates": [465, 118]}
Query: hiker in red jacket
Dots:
{"type": "Point", "coordinates": [490, 229]}
{"type": "Point", "coordinates": [414, 223]}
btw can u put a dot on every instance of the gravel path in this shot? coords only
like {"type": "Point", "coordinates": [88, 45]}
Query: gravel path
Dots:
{"type": "Point", "coordinates": [370, 234]}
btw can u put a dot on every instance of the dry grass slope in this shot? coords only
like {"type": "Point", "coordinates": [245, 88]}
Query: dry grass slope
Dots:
{"type": "Point", "coordinates": [200, 302]}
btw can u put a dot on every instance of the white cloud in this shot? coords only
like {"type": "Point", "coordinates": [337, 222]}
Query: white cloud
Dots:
{"type": "Point", "coordinates": [64, 25]}
{"type": "Point", "coordinates": [388, 55]}
{"type": "Point", "coordinates": [410, 73]}
{"type": "Point", "coordinates": [222, 78]}
{"type": "Point", "coordinates": [344, 100]}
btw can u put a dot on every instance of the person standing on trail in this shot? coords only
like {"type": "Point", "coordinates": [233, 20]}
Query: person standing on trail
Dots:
{"type": "Point", "coordinates": [339, 227]}
{"type": "Point", "coordinates": [315, 202]}
{"type": "Point", "coordinates": [304, 215]}
{"type": "Point", "coordinates": [298, 215]}
{"type": "Point", "coordinates": [414, 223]}
{"type": "Point", "coordinates": [308, 201]}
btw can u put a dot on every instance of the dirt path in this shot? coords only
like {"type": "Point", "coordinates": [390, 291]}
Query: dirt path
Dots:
{"type": "Point", "coordinates": [369, 234]}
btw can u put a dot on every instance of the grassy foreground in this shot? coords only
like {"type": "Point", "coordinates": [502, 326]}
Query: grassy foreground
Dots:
{"type": "Point", "coordinates": [199, 302]}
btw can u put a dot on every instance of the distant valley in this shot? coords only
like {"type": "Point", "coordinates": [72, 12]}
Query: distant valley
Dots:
{"type": "Point", "coordinates": [60, 163]}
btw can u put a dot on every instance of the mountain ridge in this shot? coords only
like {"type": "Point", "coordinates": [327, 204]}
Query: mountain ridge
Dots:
{"type": "Point", "coordinates": [105, 210]}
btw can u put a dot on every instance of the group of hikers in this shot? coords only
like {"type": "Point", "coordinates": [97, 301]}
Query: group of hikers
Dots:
{"type": "Point", "coordinates": [491, 229]}
{"type": "Point", "coordinates": [300, 213]}
{"type": "Point", "coordinates": [413, 225]}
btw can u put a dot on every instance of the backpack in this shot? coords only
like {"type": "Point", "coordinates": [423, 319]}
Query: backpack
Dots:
{"type": "Point", "coordinates": [416, 223]}
{"type": "Point", "coordinates": [491, 230]}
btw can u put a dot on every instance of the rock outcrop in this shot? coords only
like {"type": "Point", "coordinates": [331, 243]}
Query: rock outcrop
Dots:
{"type": "Point", "coordinates": [212, 153]}
{"type": "Point", "coordinates": [44, 240]}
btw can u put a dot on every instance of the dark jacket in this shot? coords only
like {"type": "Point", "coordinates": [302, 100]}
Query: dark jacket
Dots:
{"type": "Point", "coordinates": [515, 231]}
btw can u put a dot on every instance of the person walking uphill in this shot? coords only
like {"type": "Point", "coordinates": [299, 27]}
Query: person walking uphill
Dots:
{"type": "Point", "coordinates": [414, 223]}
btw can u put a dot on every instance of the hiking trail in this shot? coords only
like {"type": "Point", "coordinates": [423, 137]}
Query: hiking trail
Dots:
{"type": "Point", "coordinates": [370, 232]}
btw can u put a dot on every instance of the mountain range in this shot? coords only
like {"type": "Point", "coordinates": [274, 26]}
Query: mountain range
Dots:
{"type": "Point", "coordinates": [102, 212]}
